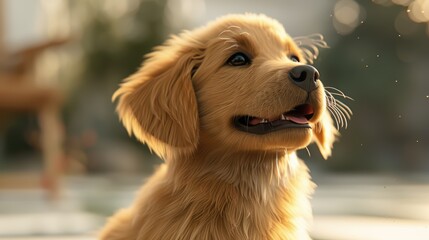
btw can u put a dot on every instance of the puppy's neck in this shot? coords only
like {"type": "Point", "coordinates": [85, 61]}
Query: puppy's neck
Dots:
{"type": "Point", "coordinates": [246, 169]}
{"type": "Point", "coordinates": [270, 188]}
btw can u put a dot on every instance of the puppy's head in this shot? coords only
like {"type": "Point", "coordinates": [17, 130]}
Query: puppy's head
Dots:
{"type": "Point", "coordinates": [240, 83]}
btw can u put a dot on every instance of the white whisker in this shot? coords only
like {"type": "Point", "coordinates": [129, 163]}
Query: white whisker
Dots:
{"type": "Point", "coordinates": [341, 95]}
{"type": "Point", "coordinates": [310, 45]}
{"type": "Point", "coordinates": [338, 113]}
{"type": "Point", "coordinates": [334, 116]}
{"type": "Point", "coordinates": [330, 98]}
{"type": "Point", "coordinates": [345, 109]}
{"type": "Point", "coordinates": [338, 92]}
{"type": "Point", "coordinates": [308, 152]}
{"type": "Point", "coordinates": [334, 88]}
{"type": "Point", "coordinates": [343, 117]}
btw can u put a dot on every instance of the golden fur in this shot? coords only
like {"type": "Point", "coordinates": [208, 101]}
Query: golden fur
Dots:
{"type": "Point", "coordinates": [217, 182]}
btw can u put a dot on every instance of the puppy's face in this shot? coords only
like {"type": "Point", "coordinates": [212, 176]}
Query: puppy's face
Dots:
{"type": "Point", "coordinates": [254, 89]}
{"type": "Point", "coordinates": [240, 83]}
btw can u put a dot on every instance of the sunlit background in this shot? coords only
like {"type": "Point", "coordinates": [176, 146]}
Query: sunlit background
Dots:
{"type": "Point", "coordinates": [66, 162]}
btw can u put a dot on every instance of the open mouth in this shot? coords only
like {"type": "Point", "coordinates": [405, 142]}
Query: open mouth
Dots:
{"type": "Point", "coordinates": [298, 117]}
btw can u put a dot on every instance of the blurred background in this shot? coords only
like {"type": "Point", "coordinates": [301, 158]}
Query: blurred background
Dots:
{"type": "Point", "coordinates": [66, 162]}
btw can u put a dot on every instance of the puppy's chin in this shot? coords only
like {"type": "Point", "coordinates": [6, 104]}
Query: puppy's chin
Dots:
{"type": "Point", "coordinates": [292, 138]}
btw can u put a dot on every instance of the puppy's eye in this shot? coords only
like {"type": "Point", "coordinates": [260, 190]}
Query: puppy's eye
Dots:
{"type": "Point", "coordinates": [294, 58]}
{"type": "Point", "coordinates": [239, 59]}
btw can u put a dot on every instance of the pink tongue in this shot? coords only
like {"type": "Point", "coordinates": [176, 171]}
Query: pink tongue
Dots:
{"type": "Point", "coordinates": [255, 121]}
{"type": "Point", "coordinates": [297, 119]}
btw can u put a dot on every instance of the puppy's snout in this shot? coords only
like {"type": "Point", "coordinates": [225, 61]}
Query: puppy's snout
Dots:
{"type": "Point", "coordinates": [305, 77]}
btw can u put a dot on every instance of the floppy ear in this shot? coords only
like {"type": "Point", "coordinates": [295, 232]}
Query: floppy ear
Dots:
{"type": "Point", "coordinates": [158, 104]}
{"type": "Point", "coordinates": [325, 134]}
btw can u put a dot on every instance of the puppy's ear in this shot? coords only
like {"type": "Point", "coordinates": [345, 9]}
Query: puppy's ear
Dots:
{"type": "Point", "coordinates": [325, 134]}
{"type": "Point", "coordinates": [158, 104]}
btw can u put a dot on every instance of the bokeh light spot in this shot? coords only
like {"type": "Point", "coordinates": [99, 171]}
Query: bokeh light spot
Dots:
{"type": "Point", "coordinates": [418, 11]}
{"type": "Point", "coordinates": [346, 12]}
{"type": "Point", "coordinates": [402, 2]}
{"type": "Point", "coordinates": [347, 15]}
{"type": "Point", "coordinates": [404, 25]}
{"type": "Point", "coordinates": [382, 2]}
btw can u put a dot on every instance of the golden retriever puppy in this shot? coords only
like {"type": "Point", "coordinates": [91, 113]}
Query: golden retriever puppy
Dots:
{"type": "Point", "coordinates": [226, 106]}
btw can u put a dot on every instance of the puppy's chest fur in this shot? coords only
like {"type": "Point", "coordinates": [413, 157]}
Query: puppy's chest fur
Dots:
{"type": "Point", "coordinates": [259, 206]}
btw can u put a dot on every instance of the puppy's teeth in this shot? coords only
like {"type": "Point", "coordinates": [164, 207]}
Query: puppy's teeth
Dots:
{"type": "Point", "coordinates": [264, 121]}
{"type": "Point", "coordinates": [283, 117]}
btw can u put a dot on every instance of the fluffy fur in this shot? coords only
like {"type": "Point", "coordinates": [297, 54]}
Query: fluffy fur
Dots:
{"type": "Point", "coordinates": [218, 182]}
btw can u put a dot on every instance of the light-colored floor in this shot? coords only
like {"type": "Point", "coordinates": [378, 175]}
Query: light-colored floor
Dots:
{"type": "Point", "coordinates": [345, 207]}
{"type": "Point", "coordinates": [369, 228]}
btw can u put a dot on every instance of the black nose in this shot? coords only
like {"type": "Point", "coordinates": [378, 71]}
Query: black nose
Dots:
{"type": "Point", "coordinates": [305, 77]}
